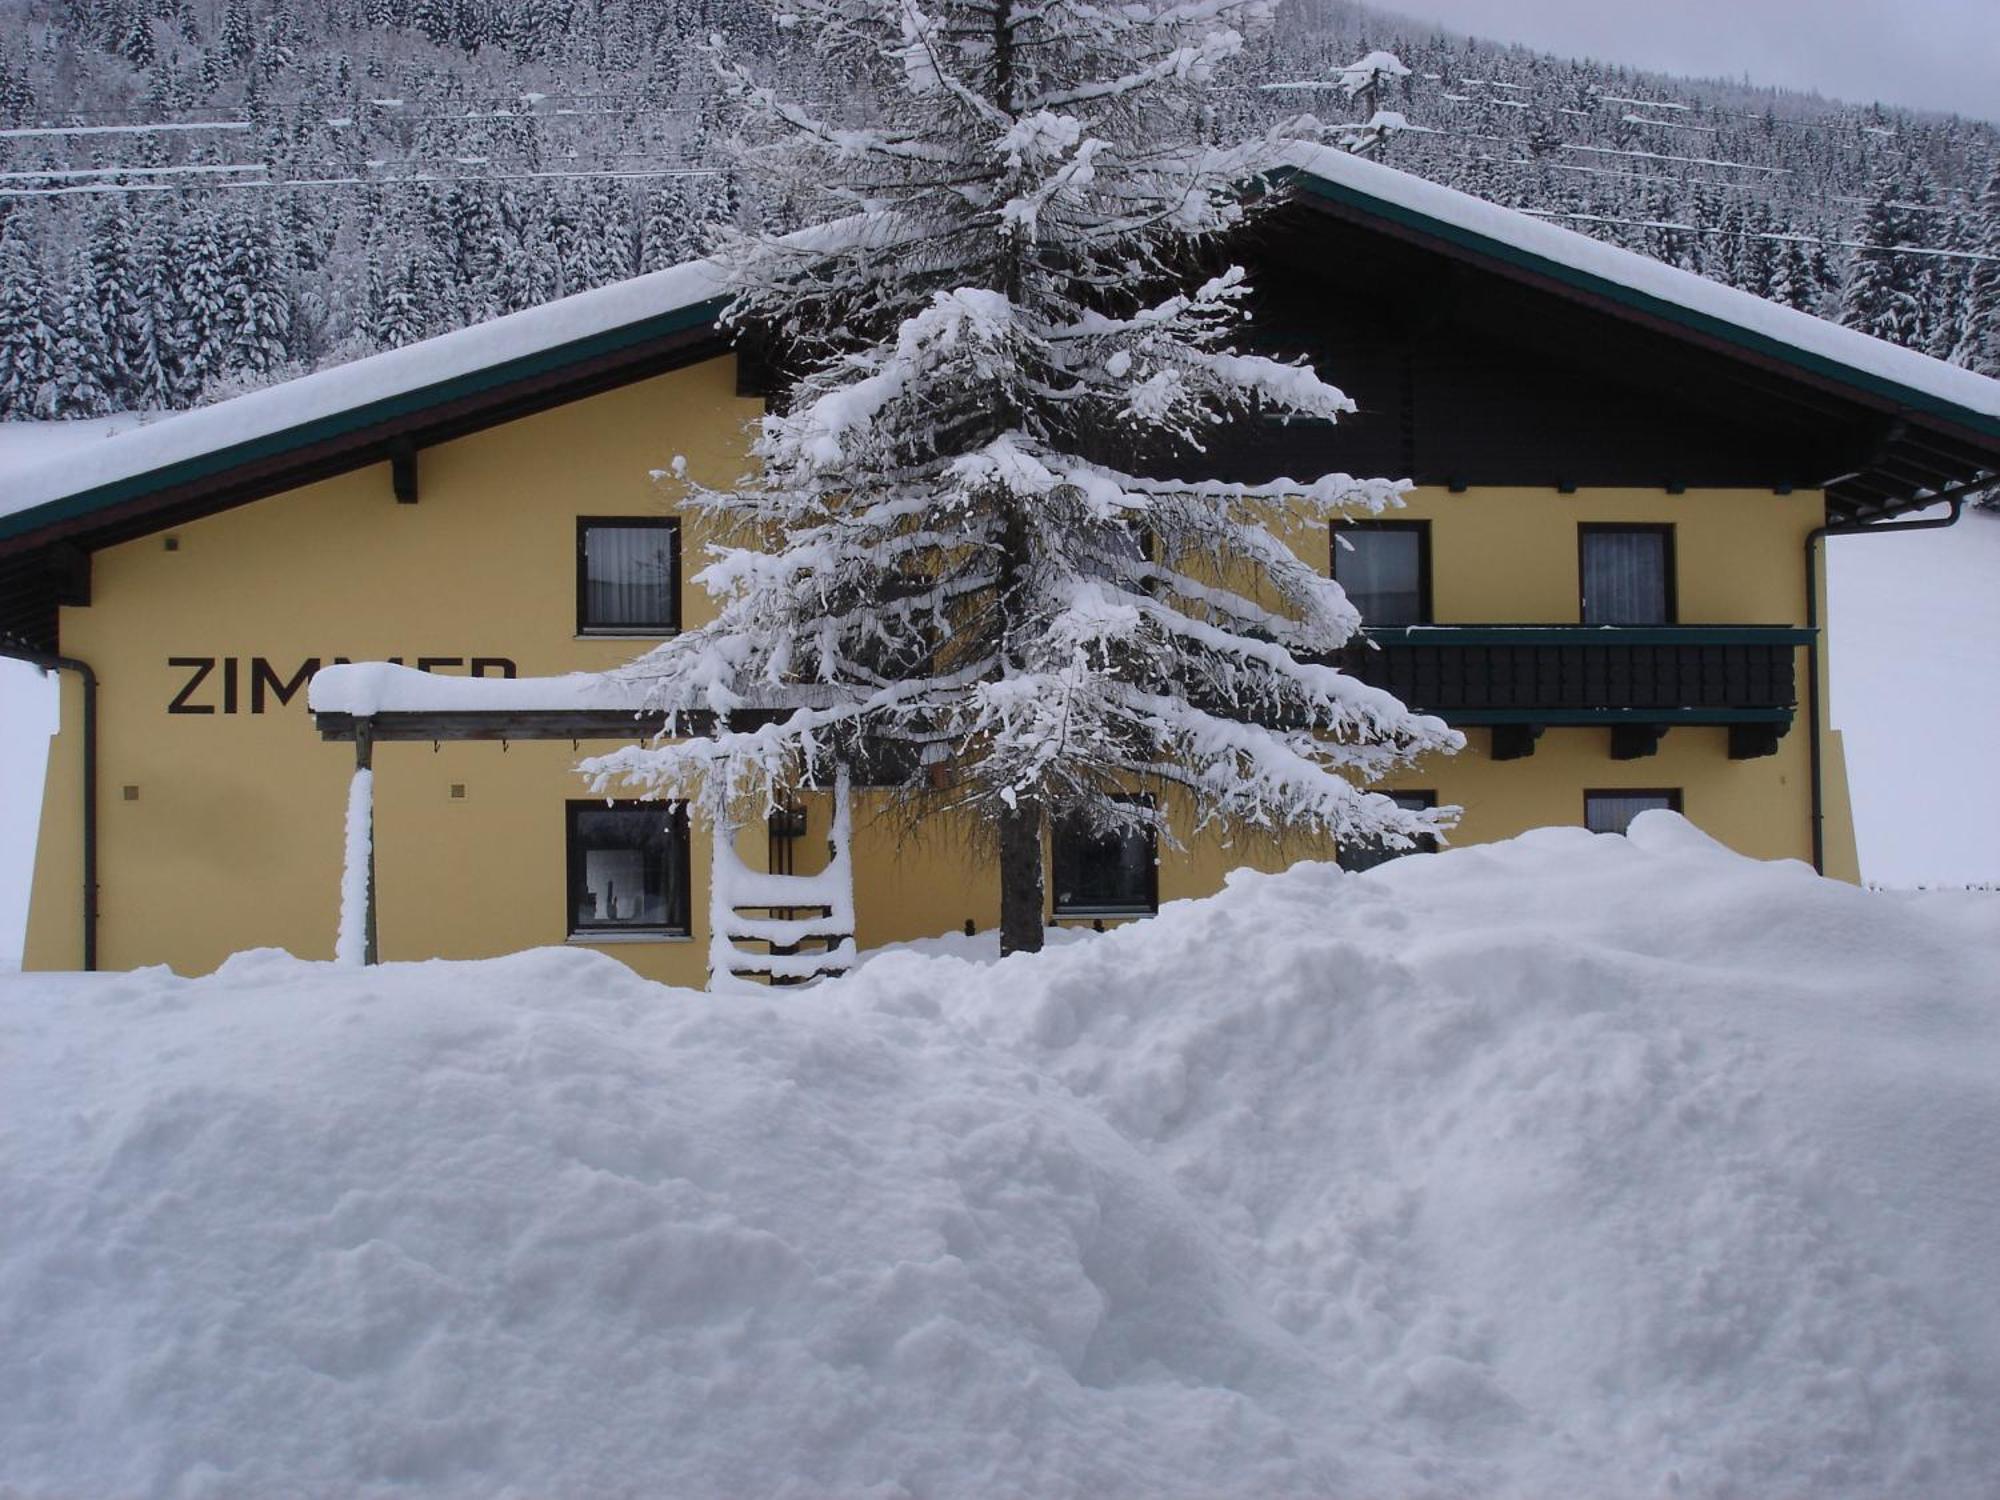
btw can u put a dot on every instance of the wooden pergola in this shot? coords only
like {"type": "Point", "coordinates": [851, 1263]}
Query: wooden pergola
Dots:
{"type": "Point", "coordinates": [785, 963]}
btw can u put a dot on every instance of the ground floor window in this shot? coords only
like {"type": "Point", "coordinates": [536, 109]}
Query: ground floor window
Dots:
{"type": "Point", "coordinates": [628, 869]}
{"type": "Point", "coordinates": [1104, 874]}
{"type": "Point", "coordinates": [1366, 854]}
{"type": "Point", "coordinates": [1613, 812]}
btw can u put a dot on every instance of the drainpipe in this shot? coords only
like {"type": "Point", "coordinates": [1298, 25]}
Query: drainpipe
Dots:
{"type": "Point", "coordinates": [1955, 498]}
{"type": "Point", "coordinates": [50, 663]}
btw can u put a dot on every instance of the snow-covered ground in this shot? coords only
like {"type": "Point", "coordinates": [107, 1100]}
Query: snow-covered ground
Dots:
{"type": "Point", "coordinates": [1471, 1176]}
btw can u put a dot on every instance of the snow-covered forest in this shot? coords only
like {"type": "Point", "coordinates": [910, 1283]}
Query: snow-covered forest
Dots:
{"type": "Point", "coordinates": [199, 196]}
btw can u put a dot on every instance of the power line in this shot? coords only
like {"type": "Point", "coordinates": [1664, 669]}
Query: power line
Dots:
{"type": "Point", "coordinates": [294, 183]}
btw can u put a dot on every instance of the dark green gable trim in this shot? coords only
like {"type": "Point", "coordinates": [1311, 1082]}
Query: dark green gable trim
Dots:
{"type": "Point", "coordinates": [1570, 718]}
{"type": "Point", "coordinates": [360, 418]}
{"type": "Point", "coordinates": [1585, 281]}
{"type": "Point", "coordinates": [1589, 635]}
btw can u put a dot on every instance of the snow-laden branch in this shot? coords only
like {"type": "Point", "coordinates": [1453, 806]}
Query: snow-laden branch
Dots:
{"type": "Point", "coordinates": [984, 521]}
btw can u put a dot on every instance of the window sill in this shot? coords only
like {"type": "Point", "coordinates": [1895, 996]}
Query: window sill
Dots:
{"type": "Point", "coordinates": [594, 939]}
{"type": "Point", "coordinates": [625, 635]}
{"type": "Point", "coordinates": [1105, 913]}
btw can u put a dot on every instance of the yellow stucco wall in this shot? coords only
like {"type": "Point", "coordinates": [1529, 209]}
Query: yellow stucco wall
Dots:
{"type": "Point", "coordinates": [232, 836]}
{"type": "Point", "coordinates": [231, 833]}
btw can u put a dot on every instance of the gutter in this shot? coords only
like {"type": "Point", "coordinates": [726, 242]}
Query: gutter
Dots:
{"type": "Point", "coordinates": [51, 663]}
{"type": "Point", "coordinates": [1955, 498]}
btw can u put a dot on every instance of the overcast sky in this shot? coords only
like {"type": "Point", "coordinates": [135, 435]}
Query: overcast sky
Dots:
{"type": "Point", "coordinates": [1934, 54]}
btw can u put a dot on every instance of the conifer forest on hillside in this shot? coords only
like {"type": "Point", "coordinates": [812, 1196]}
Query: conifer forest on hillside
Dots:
{"type": "Point", "coordinates": [198, 197]}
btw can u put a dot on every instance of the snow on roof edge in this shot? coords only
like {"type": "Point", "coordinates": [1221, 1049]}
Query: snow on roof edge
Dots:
{"type": "Point", "coordinates": [324, 394]}
{"type": "Point", "coordinates": [1859, 352]}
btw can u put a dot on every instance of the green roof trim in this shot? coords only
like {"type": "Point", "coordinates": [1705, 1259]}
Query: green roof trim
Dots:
{"type": "Point", "coordinates": [1589, 636]}
{"type": "Point", "coordinates": [1645, 302]}
{"type": "Point", "coordinates": [1569, 718]}
{"type": "Point", "coordinates": [358, 418]}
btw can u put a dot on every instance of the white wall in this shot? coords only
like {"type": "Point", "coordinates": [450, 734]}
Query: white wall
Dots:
{"type": "Point", "coordinates": [27, 719]}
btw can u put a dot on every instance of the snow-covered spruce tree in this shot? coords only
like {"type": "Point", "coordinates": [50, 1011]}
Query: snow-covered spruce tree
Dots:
{"type": "Point", "coordinates": [960, 536]}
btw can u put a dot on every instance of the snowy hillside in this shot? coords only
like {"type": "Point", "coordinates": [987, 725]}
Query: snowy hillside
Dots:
{"type": "Point", "coordinates": [205, 195]}
{"type": "Point", "coordinates": [1467, 1177]}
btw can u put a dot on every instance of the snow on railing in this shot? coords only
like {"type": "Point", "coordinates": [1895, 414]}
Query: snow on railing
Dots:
{"type": "Point", "coordinates": [735, 888]}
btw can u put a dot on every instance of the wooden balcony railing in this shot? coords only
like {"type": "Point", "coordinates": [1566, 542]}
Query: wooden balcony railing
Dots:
{"type": "Point", "coordinates": [1638, 680]}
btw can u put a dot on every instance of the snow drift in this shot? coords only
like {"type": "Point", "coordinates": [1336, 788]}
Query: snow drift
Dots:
{"type": "Point", "coordinates": [1569, 1165]}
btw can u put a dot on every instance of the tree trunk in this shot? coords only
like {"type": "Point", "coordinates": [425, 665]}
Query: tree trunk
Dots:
{"type": "Point", "coordinates": [1020, 824]}
{"type": "Point", "coordinates": [1021, 878]}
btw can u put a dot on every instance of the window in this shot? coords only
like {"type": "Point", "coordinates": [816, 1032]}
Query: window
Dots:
{"type": "Point", "coordinates": [1359, 855]}
{"type": "Point", "coordinates": [628, 869]}
{"type": "Point", "coordinates": [1104, 875]}
{"type": "Point", "coordinates": [628, 575]}
{"type": "Point", "coordinates": [1123, 542]}
{"type": "Point", "coordinates": [1385, 567]}
{"type": "Point", "coordinates": [1613, 812]}
{"type": "Point", "coordinates": [1627, 574]}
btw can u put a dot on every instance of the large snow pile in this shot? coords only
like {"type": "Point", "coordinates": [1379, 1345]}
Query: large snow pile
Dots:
{"type": "Point", "coordinates": [1573, 1165]}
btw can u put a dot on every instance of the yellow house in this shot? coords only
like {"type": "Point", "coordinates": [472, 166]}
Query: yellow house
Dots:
{"type": "Point", "coordinates": [1608, 576]}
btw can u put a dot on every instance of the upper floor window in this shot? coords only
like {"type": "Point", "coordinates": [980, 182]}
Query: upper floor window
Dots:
{"type": "Point", "coordinates": [628, 869]}
{"type": "Point", "coordinates": [1385, 569]}
{"type": "Point", "coordinates": [1627, 574]}
{"type": "Point", "coordinates": [628, 575]}
{"type": "Point", "coordinates": [1104, 875]}
{"type": "Point", "coordinates": [1366, 854]}
{"type": "Point", "coordinates": [1613, 812]}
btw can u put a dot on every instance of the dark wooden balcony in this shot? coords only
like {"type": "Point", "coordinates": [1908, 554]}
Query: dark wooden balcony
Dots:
{"type": "Point", "coordinates": [1639, 681]}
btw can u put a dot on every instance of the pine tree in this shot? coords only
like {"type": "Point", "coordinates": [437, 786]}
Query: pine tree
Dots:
{"type": "Point", "coordinates": [402, 316]}
{"type": "Point", "coordinates": [27, 343]}
{"type": "Point", "coordinates": [114, 283]}
{"type": "Point", "coordinates": [236, 40]}
{"type": "Point", "coordinates": [1792, 281]}
{"type": "Point", "coordinates": [77, 385]}
{"type": "Point", "coordinates": [257, 307]}
{"type": "Point", "coordinates": [135, 37]}
{"type": "Point", "coordinates": [1758, 261]}
{"type": "Point", "coordinates": [964, 560]}
{"type": "Point", "coordinates": [201, 308]}
{"type": "Point", "coordinates": [148, 386]}
{"type": "Point", "coordinates": [667, 232]}
{"type": "Point", "coordinates": [1982, 290]}
{"type": "Point", "coordinates": [1879, 296]}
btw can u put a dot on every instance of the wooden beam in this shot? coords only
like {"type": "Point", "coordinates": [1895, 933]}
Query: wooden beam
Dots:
{"type": "Point", "coordinates": [1749, 741]}
{"type": "Point", "coordinates": [68, 567]}
{"type": "Point", "coordinates": [1515, 741]}
{"type": "Point", "coordinates": [518, 724]}
{"type": "Point", "coordinates": [1636, 741]}
{"type": "Point", "coordinates": [403, 473]}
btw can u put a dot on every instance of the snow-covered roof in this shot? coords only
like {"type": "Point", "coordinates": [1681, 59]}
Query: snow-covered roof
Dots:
{"type": "Point", "coordinates": [301, 410]}
{"type": "Point", "coordinates": [1648, 285]}
{"type": "Point", "coordinates": [98, 475]}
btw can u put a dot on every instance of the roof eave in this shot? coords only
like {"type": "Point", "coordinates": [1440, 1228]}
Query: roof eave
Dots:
{"type": "Point", "coordinates": [356, 429]}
